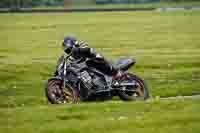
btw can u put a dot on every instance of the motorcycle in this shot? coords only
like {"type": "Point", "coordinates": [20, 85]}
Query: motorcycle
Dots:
{"type": "Point", "coordinates": [82, 81]}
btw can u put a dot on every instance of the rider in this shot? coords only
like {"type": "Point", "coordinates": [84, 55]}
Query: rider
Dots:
{"type": "Point", "coordinates": [79, 51]}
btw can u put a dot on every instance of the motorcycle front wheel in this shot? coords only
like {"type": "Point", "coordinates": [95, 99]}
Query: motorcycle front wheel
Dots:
{"type": "Point", "coordinates": [138, 92]}
{"type": "Point", "coordinates": [56, 94]}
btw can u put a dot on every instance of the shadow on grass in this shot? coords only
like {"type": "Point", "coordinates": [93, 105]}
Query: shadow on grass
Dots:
{"type": "Point", "coordinates": [73, 116]}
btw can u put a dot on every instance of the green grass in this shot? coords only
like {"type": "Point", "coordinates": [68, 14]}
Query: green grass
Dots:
{"type": "Point", "coordinates": [114, 117]}
{"type": "Point", "coordinates": [166, 46]}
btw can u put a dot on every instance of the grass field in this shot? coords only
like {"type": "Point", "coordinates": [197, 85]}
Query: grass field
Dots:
{"type": "Point", "coordinates": [138, 117]}
{"type": "Point", "coordinates": [166, 46]}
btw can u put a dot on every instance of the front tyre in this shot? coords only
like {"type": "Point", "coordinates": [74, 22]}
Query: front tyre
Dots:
{"type": "Point", "coordinates": [57, 95]}
{"type": "Point", "coordinates": [138, 92]}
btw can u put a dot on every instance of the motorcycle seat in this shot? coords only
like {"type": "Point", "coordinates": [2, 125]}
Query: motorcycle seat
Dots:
{"type": "Point", "coordinates": [124, 64]}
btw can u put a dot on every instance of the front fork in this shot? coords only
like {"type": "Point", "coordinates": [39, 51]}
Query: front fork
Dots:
{"type": "Point", "coordinates": [64, 75]}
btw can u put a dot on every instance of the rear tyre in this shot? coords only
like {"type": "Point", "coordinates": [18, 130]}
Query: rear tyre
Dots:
{"type": "Point", "coordinates": [141, 91]}
{"type": "Point", "coordinates": [57, 95]}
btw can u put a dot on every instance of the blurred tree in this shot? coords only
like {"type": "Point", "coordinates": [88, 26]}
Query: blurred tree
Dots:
{"type": "Point", "coordinates": [28, 3]}
{"type": "Point", "coordinates": [15, 3]}
{"type": "Point", "coordinates": [5, 3]}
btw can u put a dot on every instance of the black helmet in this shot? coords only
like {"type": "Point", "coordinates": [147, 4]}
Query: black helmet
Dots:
{"type": "Point", "coordinates": [69, 43]}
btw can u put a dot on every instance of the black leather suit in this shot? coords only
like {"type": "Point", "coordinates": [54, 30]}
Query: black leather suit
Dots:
{"type": "Point", "coordinates": [98, 61]}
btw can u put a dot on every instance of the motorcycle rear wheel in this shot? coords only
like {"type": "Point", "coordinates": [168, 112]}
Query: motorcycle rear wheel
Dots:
{"type": "Point", "coordinates": [57, 95]}
{"type": "Point", "coordinates": [141, 90]}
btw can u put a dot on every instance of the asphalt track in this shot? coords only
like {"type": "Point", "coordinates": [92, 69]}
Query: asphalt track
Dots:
{"type": "Point", "coordinates": [197, 97]}
{"type": "Point", "coordinates": [84, 10]}
{"type": "Point", "coordinates": [74, 10]}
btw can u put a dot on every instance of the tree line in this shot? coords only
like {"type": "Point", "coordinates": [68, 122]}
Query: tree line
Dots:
{"type": "Point", "coordinates": [29, 3]}
{"type": "Point", "coordinates": [32, 3]}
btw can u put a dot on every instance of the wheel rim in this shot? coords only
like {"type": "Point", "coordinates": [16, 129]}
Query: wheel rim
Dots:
{"type": "Point", "coordinates": [60, 95]}
{"type": "Point", "coordinates": [139, 91]}
{"type": "Point", "coordinates": [69, 96]}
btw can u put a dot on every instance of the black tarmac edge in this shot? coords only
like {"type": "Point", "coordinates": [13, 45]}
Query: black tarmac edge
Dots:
{"type": "Point", "coordinates": [74, 10]}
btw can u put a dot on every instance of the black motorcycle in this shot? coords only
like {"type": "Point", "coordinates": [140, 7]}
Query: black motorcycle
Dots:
{"type": "Point", "coordinates": [83, 81]}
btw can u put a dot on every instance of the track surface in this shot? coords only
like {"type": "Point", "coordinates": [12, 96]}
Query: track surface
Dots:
{"type": "Point", "coordinates": [28, 10]}
{"type": "Point", "coordinates": [180, 97]}
{"type": "Point", "coordinates": [74, 10]}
